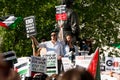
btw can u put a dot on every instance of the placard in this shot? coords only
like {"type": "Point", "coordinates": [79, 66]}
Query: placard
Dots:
{"type": "Point", "coordinates": [38, 64]}
{"type": "Point", "coordinates": [52, 64]}
{"type": "Point", "coordinates": [30, 26]}
{"type": "Point", "coordinates": [23, 67]}
{"type": "Point", "coordinates": [83, 61]}
{"type": "Point", "coordinates": [112, 64]}
{"type": "Point", "coordinates": [66, 63]}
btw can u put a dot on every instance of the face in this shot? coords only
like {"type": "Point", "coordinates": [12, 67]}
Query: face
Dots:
{"type": "Point", "coordinates": [69, 38]}
{"type": "Point", "coordinates": [53, 36]}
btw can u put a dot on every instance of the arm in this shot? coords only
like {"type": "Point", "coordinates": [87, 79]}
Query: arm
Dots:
{"type": "Point", "coordinates": [35, 53]}
{"type": "Point", "coordinates": [34, 40]}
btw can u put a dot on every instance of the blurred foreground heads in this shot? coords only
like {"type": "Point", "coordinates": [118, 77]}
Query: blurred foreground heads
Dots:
{"type": "Point", "coordinates": [6, 72]}
{"type": "Point", "coordinates": [76, 74]}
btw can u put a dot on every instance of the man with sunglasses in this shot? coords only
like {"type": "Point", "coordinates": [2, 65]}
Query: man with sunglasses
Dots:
{"type": "Point", "coordinates": [52, 46]}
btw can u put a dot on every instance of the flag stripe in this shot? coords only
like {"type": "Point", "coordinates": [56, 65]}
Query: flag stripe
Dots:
{"type": "Point", "coordinates": [93, 65]}
{"type": "Point", "coordinates": [13, 25]}
{"type": "Point", "coordinates": [3, 25]}
{"type": "Point", "coordinates": [9, 55]}
{"type": "Point", "coordinates": [21, 65]}
{"type": "Point", "coordinates": [23, 71]}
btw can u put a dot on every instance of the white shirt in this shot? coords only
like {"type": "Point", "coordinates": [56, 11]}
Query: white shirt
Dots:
{"type": "Point", "coordinates": [67, 50]}
{"type": "Point", "coordinates": [50, 47]}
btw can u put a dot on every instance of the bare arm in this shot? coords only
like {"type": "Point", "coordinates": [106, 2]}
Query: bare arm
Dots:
{"type": "Point", "coordinates": [34, 40]}
{"type": "Point", "coordinates": [35, 53]}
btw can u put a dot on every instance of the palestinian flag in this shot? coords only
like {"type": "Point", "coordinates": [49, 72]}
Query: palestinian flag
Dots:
{"type": "Point", "coordinates": [10, 22]}
{"type": "Point", "coordinates": [21, 68]}
{"type": "Point", "coordinates": [94, 66]}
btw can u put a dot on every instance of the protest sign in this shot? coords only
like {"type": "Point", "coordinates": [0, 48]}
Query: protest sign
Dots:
{"type": "Point", "coordinates": [52, 67]}
{"type": "Point", "coordinates": [23, 67]}
{"type": "Point", "coordinates": [112, 64]}
{"type": "Point", "coordinates": [30, 26]}
{"type": "Point", "coordinates": [83, 61]}
{"type": "Point", "coordinates": [38, 64]}
{"type": "Point", "coordinates": [66, 63]}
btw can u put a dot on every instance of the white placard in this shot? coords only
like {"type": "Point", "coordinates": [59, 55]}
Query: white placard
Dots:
{"type": "Point", "coordinates": [112, 64]}
{"type": "Point", "coordinates": [38, 64]}
{"type": "Point", "coordinates": [83, 61]}
{"type": "Point", "coordinates": [66, 63]}
{"type": "Point", "coordinates": [52, 67]}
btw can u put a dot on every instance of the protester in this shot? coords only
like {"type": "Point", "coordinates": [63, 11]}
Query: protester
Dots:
{"type": "Point", "coordinates": [40, 76]}
{"type": "Point", "coordinates": [52, 46]}
{"type": "Point", "coordinates": [53, 77]}
{"type": "Point", "coordinates": [6, 72]}
{"type": "Point", "coordinates": [76, 74]}
{"type": "Point", "coordinates": [70, 48]}
{"type": "Point", "coordinates": [40, 51]}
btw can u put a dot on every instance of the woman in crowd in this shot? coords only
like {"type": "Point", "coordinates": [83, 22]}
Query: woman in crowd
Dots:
{"type": "Point", "coordinates": [70, 48]}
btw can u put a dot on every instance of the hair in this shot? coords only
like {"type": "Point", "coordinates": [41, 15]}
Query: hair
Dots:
{"type": "Point", "coordinates": [53, 77]}
{"type": "Point", "coordinates": [66, 38]}
{"type": "Point", "coordinates": [76, 74]}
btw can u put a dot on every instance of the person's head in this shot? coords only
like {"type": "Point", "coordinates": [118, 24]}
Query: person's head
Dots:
{"type": "Point", "coordinates": [53, 36]}
{"type": "Point", "coordinates": [40, 76]}
{"type": "Point", "coordinates": [68, 38]}
{"type": "Point", "coordinates": [53, 77]}
{"type": "Point", "coordinates": [77, 74]}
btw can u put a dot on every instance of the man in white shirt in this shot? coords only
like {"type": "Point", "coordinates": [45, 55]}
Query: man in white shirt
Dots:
{"type": "Point", "coordinates": [53, 46]}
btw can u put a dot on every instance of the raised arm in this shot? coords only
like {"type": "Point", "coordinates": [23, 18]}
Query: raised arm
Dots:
{"type": "Point", "coordinates": [35, 52]}
{"type": "Point", "coordinates": [34, 40]}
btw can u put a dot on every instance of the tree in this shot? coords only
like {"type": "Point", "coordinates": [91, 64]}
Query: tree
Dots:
{"type": "Point", "coordinates": [99, 20]}
{"type": "Point", "coordinates": [15, 39]}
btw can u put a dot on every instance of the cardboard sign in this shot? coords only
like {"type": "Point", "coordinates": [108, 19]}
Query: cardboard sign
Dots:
{"type": "Point", "coordinates": [61, 12]}
{"type": "Point", "coordinates": [52, 67]}
{"type": "Point", "coordinates": [23, 67]}
{"type": "Point", "coordinates": [30, 26]}
{"type": "Point", "coordinates": [66, 63]}
{"type": "Point", "coordinates": [38, 64]}
{"type": "Point", "coordinates": [112, 64]}
{"type": "Point", "coordinates": [83, 61]}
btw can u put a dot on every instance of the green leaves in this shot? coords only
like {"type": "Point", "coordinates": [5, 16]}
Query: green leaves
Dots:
{"type": "Point", "coordinates": [99, 19]}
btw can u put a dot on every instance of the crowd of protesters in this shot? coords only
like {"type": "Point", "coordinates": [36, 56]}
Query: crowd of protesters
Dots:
{"type": "Point", "coordinates": [8, 73]}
